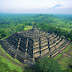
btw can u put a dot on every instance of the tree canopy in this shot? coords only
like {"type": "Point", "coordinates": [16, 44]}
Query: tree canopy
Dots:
{"type": "Point", "coordinates": [47, 65]}
{"type": "Point", "coordinates": [58, 24]}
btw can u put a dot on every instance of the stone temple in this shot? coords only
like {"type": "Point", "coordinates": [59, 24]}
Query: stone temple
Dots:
{"type": "Point", "coordinates": [33, 44]}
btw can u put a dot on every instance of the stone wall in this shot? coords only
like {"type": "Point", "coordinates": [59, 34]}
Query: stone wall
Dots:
{"type": "Point", "coordinates": [30, 44]}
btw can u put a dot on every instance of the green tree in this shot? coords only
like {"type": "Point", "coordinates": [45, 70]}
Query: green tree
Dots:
{"type": "Point", "coordinates": [2, 34]}
{"type": "Point", "coordinates": [68, 70]}
{"type": "Point", "coordinates": [46, 65]}
{"type": "Point", "coordinates": [20, 27]}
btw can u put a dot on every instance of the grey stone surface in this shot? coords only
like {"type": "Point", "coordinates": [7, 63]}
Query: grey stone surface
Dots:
{"type": "Point", "coordinates": [35, 43]}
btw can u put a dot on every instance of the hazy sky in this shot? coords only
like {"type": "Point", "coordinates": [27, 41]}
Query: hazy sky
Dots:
{"type": "Point", "coordinates": [36, 6]}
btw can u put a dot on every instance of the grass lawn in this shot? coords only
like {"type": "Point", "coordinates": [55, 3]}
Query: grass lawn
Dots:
{"type": "Point", "coordinates": [10, 62]}
{"type": "Point", "coordinates": [2, 51]}
{"type": "Point", "coordinates": [39, 28]}
{"type": "Point", "coordinates": [69, 51]}
{"type": "Point", "coordinates": [63, 60]}
{"type": "Point", "coordinates": [28, 27]}
{"type": "Point", "coordinates": [67, 48]}
{"type": "Point", "coordinates": [66, 61]}
{"type": "Point", "coordinates": [59, 55]}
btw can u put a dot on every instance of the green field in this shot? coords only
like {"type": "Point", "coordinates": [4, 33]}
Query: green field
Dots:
{"type": "Point", "coordinates": [59, 55]}
{"type": "Point", "coordinates": [28, 27]}
{"type": "Point", "coordinates": [13, 64]}
{"type": "Point", "coordinates": [64, 60]}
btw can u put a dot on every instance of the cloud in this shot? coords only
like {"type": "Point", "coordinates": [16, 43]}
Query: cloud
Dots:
{"type": "Point", "coordinates": [58, 11]}
{"type": "Point", "coordinates": [26, 4]}
{"type": "Point", "coordinates": [36, 6]}
{"type": "Point", "coordinates": [58, 6]}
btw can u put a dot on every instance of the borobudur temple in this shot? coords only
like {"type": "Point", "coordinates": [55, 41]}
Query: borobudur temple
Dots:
{"type": "Point", "coordinates": [33, 44]}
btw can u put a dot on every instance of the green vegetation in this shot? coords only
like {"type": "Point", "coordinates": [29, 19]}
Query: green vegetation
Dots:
{"type": "Point", "coordinates": [3, 51]}
{"type": "Point", "coordinates": [64, 60]}
{"type": "Point", "coordinates": [58, 24]}
{"type": "Point", "coordinates": [67, 48]}
{"type": "Point", "coordinates": [68, 29]}
{"type": "Point", "coordinates": [4, 68]}
{"type": "Point", "coordinates": [68, 70]}
{"type": "Point", "coordinates": [58, 56]}
{"type": "Point", "coordinates": [47, 65]}
{"type": "Point", "coordinates": [58, 31]}
{"type": "Point", "coordinates": [64, 63]}
{"type": "Point", "coordinates": [27, 27]}
{"type": "Point", "coordinates": [62, 67]}
{"type": "Point", "coordinates": [13, 64]}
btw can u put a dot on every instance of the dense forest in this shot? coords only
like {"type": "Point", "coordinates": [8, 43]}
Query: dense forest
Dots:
{"type": "Point", "coordinates": [58, 24]}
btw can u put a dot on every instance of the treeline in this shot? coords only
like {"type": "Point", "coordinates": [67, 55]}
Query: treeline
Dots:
{"type": "Point", "coordinates": [11, 29]}
{"type": "Point", "coordinates": [52, 29]}
{"type": "Point", "coordinates": [49, 65]}
{"type": "Point", "coordinates": [11, 23]}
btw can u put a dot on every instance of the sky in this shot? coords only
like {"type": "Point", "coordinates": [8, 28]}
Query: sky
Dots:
{"type": "Point", "coordinates": [36, 6]}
